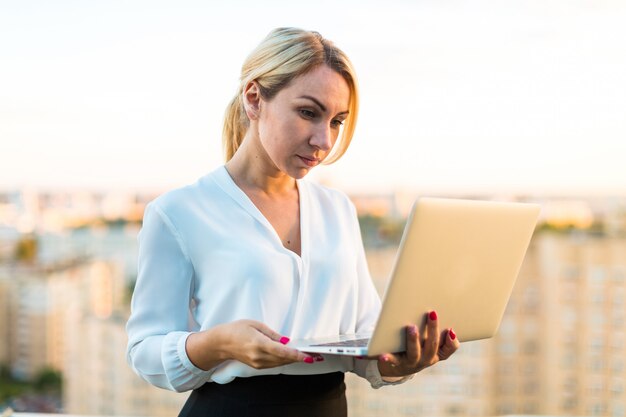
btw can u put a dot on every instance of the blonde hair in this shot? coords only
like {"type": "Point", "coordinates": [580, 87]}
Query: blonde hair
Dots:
{"type": "Point", "coordinates": [283, 55]}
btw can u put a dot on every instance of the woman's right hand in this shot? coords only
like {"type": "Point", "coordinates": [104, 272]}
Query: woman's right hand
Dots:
{"type": "Point", "coordinates": [247, 341]}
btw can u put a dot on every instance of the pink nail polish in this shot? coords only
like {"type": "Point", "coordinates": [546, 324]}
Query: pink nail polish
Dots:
{"type": "Point", "coordinates": [284, 340]}
{"type": "Point", "coordinates": [308, 359]}
{"type": "Point", "coordinates": [319, 359]}
{"type": "Point", "coordinates": [433, 315]}
{"type": "Point", "coordinates": [452, 334]}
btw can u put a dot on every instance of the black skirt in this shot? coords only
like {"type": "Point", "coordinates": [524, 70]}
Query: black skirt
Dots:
{"type": "Point", "coordinates": [271, 395]}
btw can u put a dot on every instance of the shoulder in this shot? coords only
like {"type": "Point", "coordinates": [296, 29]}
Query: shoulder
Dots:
{"type": "Point", "coordinates": [184, 199]}
{"type": "Point", "coordinates": [330, 198]}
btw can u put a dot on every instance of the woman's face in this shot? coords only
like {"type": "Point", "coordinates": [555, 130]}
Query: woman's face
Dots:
{"type": "Point", "coordinates": [299, 126]}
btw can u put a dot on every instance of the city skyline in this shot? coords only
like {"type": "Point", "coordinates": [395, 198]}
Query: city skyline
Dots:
{"type": "Point", "coordinates": [559, 350]}
{"type": "Point", "coordinates": [488, 97]}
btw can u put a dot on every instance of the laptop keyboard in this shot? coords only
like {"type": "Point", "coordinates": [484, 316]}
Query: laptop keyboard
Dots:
{"type": "Point", "coordinates": [348, 343]}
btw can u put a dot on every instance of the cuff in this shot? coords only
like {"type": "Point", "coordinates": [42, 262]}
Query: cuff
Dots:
{"type": "Point", "coordinates": [182, 374]}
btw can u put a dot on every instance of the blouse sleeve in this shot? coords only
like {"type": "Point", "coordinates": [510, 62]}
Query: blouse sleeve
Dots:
{"type": "Point", "coordinates": [159, 323]}
{"type": "Point", "coordinates": [368, 311]}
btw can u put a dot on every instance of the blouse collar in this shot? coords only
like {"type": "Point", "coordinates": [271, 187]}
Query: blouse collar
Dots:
{"type": "Point", "coordinates": [228, 185]}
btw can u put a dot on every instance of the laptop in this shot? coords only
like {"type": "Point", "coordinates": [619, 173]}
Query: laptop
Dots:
{"type": "Point", "coordinates": [458, 257]}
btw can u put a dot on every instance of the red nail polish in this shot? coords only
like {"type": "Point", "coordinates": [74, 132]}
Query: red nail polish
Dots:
{"type": "Point", "coordinates": [319, 359]}
{"type": "Point", "coordinates": [433, 315]}
{"type": "Point", "coordinates": [452, 334]}
{"type": "Point", "coordinates": [284, 340]}
{"type": "Point", "coordinates": [308, 359]}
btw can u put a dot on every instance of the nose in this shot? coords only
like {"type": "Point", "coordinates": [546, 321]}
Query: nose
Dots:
{"type": "Point", "coordinates": [322, 138]}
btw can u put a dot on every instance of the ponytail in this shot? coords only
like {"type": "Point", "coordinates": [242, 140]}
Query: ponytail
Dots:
{"type": "Point", "coordinates": [235, 127]}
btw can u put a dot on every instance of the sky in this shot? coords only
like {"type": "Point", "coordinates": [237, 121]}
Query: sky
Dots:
{"type": "Point", "coordinates": [457, 96]}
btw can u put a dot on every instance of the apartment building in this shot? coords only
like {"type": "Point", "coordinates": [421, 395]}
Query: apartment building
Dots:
{"type": "Point", "coordinates": [560, 349]}
{"type": "Point", "coordinates": [44, 301]}
{"type": "Point", "coordinates": [4, 320]}
{"type": "Point", "coordinates": [99, 380]}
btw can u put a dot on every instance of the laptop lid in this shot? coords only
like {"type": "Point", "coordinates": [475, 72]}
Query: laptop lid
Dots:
{"type": "Point", "coordinates": [460, 258]}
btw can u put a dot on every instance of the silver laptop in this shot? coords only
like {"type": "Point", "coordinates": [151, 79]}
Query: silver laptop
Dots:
{"type": "Point", "coordinates": [458, 257]}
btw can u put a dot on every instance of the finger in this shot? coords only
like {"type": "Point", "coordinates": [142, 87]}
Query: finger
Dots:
{"type": "Point", "coordinates": [413, 348]}
{"type": "Point", "coordinates": [450, 345]}
{"type": "Point", "coordinates": [269, 332]}
{"type": "Point", "coordinates": [442, 337]}
{"type": "Point", "coordinates": [317, 357]}
{"type": "Point", "coordinates": [431, 338]}
{"type": "Point", "coordinates": [390, 360]}
{"type": "Point", "coordinates": [283, 354]}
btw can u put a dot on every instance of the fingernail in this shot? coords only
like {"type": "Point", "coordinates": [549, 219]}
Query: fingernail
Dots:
{"type": "Point", "coordinates": [385, 358]}
{"type": "Point", "coordinates": [433, 315]}
{"type": "Point", "coordinates": [284, 340]}
{"type": "Point", "coordinates": [452, 334]}
{"type": "Point", "coordinates": [413, 330]}
{"type": "Point", "coordinates": [308, 359]}
{"type": "Point", "coordinates": [319, 359]}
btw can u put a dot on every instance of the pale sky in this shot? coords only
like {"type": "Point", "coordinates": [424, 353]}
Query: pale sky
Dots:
{"type": "Point", "coordinates": [481, 95]}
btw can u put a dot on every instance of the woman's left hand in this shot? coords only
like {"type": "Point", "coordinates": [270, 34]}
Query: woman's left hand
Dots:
{"type": "Point", "coordinates": [421, 352]}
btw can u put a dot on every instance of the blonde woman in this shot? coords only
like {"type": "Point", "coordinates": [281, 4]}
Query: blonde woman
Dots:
{"type": "Point", "coordinates": [251, 255]}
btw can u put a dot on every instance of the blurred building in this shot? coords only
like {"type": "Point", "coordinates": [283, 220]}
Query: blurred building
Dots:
{"type": "Point", "coordinates": [458, 387]}
{"type": "Point", "coordinates": [379, 205]}
{"type": "Point", "coordinates": [43, 302]}
{"type": "Point", "coordinates": [30, 211]}
{"type": "Point", "coordinates": [99, 381]}
{"type": "Point", "coordinates": [559, 349]}
{"type": "Point", "coordinates": [4, 320]}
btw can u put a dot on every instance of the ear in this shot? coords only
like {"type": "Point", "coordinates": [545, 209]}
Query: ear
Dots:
{"type": "Point", "coordinates": [252, 100]}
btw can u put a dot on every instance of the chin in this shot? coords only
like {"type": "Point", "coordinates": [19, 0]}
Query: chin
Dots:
{"type": "Point", "coordinates": [299, 173]}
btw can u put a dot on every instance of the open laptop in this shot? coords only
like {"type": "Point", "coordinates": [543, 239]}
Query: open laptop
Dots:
{"type": "Point", "coordinates": [458, 257]}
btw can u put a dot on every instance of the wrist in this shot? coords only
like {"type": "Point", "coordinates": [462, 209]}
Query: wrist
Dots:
{"type": "Point", "coordinates": [220, 340]}
{"type": "Point", "coordinates": [207, 349]}
{"type": "Point", "coordinates": [373, 375]}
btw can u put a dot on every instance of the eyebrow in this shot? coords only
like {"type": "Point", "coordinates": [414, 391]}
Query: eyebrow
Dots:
{"type": "Point", "coordinates": [320, 105]}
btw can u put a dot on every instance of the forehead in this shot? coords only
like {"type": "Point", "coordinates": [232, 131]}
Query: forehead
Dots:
{"type": "Point", "coordinates": [323, 83]}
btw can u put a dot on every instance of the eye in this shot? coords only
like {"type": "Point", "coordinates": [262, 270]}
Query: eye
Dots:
{"type": "Point", "coordinates": [336, 123]}
{"type": "Point", "coordinates": [307, 113]}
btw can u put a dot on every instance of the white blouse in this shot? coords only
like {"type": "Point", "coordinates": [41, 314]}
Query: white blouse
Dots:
{"type": "Point", "coordinates": [208, 256]}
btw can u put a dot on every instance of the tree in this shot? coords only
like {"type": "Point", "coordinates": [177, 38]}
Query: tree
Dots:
{"type": "Point", "coordinates": [48, 380]}
{"type": "Point", "coordinates": [26, 249]}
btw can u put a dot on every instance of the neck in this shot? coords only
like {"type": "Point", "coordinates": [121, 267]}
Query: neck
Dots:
{"type": "Point", "coordinates": [252, 169]}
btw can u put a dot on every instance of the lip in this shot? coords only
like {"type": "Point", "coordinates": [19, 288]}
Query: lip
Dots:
{"type": "Point", "coordinates": [310, 162]}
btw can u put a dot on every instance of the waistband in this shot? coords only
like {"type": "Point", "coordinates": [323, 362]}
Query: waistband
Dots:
{"type": "Point", "coordinates": [271, 388]}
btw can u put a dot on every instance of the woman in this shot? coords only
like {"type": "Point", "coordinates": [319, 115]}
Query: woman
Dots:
{"type": "Point", "coordinates": [234, 265]}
